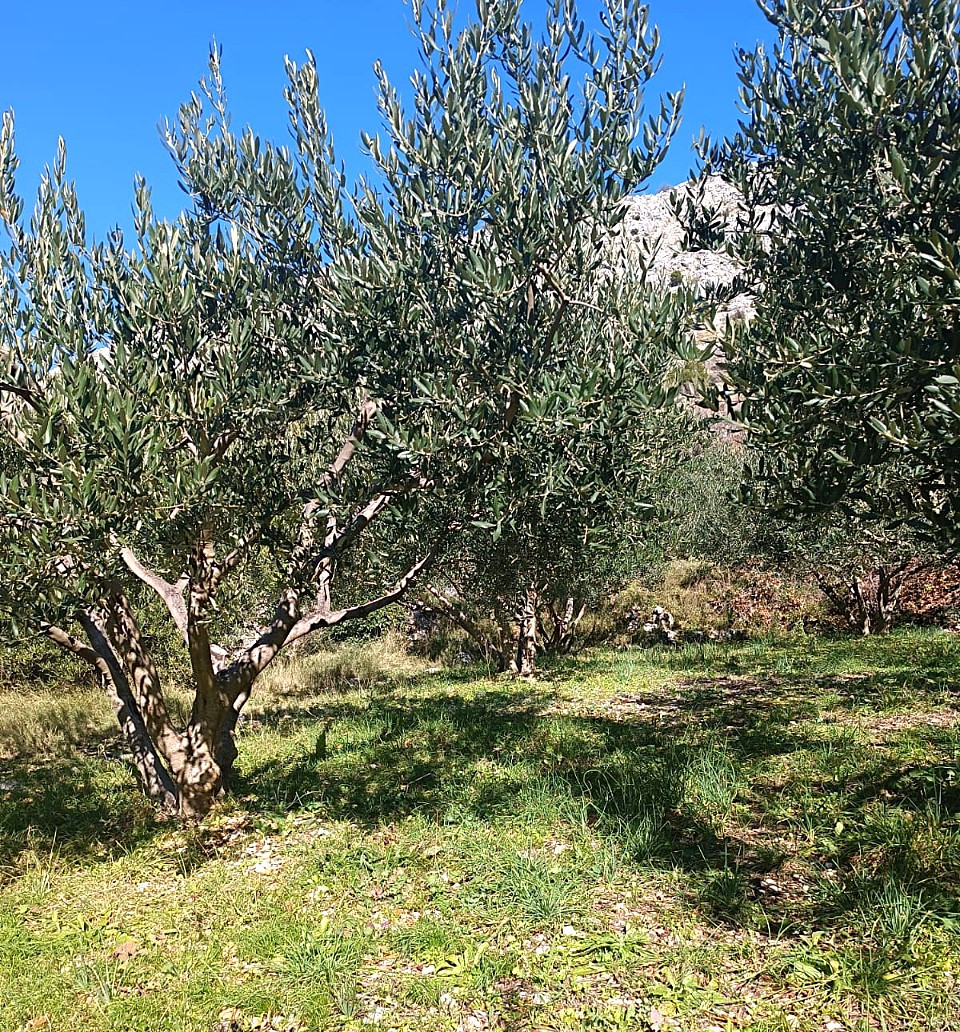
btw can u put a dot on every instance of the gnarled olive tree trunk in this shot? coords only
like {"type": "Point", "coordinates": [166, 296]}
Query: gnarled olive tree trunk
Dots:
{"type": "Point", "coordinates": [183, 768]}
{"type": "Point", "coordinates": [187, 767]}
{"type": "Point", "coordinates": [559, 624]}
{"type": "Point", "coordinates": [510, 632]}
{"type": "Point", "coordinates": [868, 601]}
{"type": "Point", "coordinates": [525, 660]}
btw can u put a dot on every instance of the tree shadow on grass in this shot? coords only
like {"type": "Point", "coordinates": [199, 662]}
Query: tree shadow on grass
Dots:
{"type": "Point", "coordinates": [645, 772]}
{"type": "Point", "coordinates": [633, 776]}
{"type": "Point", "coordinates": [448, 758]}
{"type": "Point", "coordinates": [78, 808]}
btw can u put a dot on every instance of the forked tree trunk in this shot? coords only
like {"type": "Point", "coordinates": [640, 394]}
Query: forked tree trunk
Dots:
{"type": "Point", "coordinates": [511, 635]}
{"type": "Point", "coordinates": [181, 769]}
{"type": "Point", "coordinates": [563, 625]}
{"type": "Point", "coordinates": [868, 602]}
{"type": "Point", "coordinates": [187, 768]}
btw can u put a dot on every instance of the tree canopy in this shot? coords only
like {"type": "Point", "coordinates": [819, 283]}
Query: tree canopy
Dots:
{"type": "Point", "coordinates": [338, 382]}
{"type": "Point", "coordinates": [849, 165]}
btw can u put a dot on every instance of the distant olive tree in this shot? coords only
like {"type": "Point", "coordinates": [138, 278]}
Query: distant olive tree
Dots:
{"type": "Point", "coordinates": [528, 588]}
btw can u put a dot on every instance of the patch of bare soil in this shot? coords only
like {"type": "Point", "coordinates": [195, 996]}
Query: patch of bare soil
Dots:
{"type": "Point", "coordinates": [885, 727]}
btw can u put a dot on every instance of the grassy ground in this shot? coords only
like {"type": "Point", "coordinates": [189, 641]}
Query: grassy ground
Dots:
{"type": "Point", "coordinates": [759, 836]}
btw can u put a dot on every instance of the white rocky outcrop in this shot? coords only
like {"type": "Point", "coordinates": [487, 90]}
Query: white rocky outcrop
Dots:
{"type": "Point", "coordinates": [651, 236]}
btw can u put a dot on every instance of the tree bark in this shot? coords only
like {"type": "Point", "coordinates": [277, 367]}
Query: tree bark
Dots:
{"type": "Point", "coordinates": [187, 769]}
{"type": "Point", "coordinates": [177, 768]}
{"type": "Point", "coordinates": [526, 655]}
{"type": "Point", "coordinates": [146, 761]}
{"type": "Point", "coordinates": [868, 602]}
{"type": "Point", "coordinates": [227, 752]}
{"type": "Point", "coordinates": [563, 625]}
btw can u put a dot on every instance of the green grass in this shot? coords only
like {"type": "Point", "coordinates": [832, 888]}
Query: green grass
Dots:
{"type": "Point", "coordinates": [760, 836]}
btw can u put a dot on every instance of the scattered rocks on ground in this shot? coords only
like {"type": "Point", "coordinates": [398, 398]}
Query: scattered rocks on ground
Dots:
{"type": "Point", "coordinates": [662, 628]}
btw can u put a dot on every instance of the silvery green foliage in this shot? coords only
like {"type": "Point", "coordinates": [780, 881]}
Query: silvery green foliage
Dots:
{"type": "Point", "coordinates": [849, 166]}
{"type": "Point", "coordinates": [344, 385]}
{"type": "Point", "coordinates": [534, 367]}
{"type": "Point", "coordinates": [156, 390]}
{"type": "Point", "coordinates": [200, 380]}
{"type": "Point", "coordinates": [507, 354]}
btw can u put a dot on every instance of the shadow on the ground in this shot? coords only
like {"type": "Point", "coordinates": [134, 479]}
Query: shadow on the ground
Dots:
{"type": "Point", "coordinates": [83, 806]}
{"type": "Point", "coordinates": [645, 772]}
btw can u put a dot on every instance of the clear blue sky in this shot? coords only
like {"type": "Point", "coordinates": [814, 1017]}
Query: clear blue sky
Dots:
{"type": "Point", "coordinates": [103, 73]}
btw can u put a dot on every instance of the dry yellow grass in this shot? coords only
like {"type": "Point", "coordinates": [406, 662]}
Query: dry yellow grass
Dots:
{"type": "Point", "coordinates": [37, 721]}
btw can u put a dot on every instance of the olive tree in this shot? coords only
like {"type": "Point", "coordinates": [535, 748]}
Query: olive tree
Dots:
{"type": "Point", "coordinates": [528, 588]}
{"type": "Point", "coordinates": [511, 361]}
{"type": "Point", "coordinates": [168, 415]}
{"type": "Point", "coordinates": [862, 566]}
{"type": "Point", "coordinates": [548, 359]}
{"type": "Point", "coordinates": [848, 163]}
{"type": "Point", "coordinates": [343, 382]}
